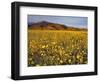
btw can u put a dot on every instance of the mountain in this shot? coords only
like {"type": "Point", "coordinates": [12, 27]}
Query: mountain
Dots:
{"type": "Point", "coordinates": [45, 25]}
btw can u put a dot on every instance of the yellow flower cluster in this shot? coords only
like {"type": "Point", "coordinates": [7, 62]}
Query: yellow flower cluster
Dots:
{"type": "Point", "coordinates": [54, 47]}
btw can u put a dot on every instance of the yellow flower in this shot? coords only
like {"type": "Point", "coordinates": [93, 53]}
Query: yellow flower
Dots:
{"type": "Point", "coordinates": [42, 54]}
{"type": "Point", "coordinates": [69, 60]}
{"type": "Point", "coordinates": [46, 46]}
{"type": "Point", "coordinates": [61, 61]}
{"type": "Point", "coordinates": [72, 46]}
{"type": "Point", "coordinates": [78, 56]}
{"type": "Point", "coordinates": [43, 46]}
{"type": "Point", "coordinates": [77, 47]}
{"type": "Point", "coordinates": [53, 42]}
{"type": "Point", "coordinates": [58, 58]}
{"type": "Point", "coordinates": [66, 54]}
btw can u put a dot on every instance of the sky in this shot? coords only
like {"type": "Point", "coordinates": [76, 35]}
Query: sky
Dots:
{"type": "Point", "coordinates": [81, 22]}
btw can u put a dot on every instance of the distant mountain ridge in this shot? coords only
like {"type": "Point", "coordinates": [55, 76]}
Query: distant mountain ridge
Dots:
{"type": "Point", "coordinates": [45, 25]}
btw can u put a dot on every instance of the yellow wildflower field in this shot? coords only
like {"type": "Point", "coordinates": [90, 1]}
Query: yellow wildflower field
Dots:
{"type": "Point", "coordinates": [57, 47]}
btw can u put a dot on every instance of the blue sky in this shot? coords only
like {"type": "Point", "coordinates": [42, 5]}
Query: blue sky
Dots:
{"type": "Point", "coordinates": [66, 20]}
